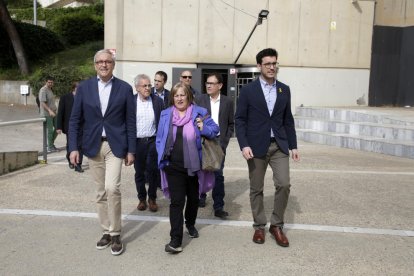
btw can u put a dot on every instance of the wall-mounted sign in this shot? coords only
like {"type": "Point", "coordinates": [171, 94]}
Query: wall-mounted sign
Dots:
{"type": "Point", "coordinates": [24, 89]}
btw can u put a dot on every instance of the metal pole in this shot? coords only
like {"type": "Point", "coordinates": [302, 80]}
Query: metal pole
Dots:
{"type": "Point", "coordinates": [34, 12]}
{"type": "Point", "coordinates": [251, 33]}
{"type": "Point", "coordinates": [45, 142]}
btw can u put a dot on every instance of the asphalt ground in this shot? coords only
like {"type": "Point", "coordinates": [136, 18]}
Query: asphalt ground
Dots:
{"type": "Point", "coordinates": [349, 213]}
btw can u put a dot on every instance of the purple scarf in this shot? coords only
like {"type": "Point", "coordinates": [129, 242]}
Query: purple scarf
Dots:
{"type": "Point", "coordinates": [190, 152]}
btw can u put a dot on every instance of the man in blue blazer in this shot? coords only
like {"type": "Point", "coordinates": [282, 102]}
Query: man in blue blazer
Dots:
{"type": "Point", "coordinates": [104, 109]}
{"type": "Point", "coordinates": [265, 130]}
{"type": "Point", "coordinates": [159, 87]}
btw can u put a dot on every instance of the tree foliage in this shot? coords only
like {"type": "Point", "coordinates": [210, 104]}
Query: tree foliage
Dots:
{"type": "Point", "coordinates": [38, 42]}
{"type": "Point", "coordinates": [64, 77]}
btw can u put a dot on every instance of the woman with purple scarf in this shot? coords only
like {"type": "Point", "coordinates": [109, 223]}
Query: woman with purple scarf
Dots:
{"type": "Point", "coordinates": [178, 145]}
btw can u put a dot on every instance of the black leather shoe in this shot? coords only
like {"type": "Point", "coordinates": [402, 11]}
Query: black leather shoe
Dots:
{"type": "Point", "coordinates": [78, 168]}
{"type": "Point", "coordinates": [71, 166]}
{"type": "Point", "coordinates": [202, 202]}
{"type": "Point", "coordinates": [221, 214]}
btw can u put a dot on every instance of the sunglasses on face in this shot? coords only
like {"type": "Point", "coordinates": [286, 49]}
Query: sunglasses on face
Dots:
{"type": "Point", "coordinates": [187, 77]}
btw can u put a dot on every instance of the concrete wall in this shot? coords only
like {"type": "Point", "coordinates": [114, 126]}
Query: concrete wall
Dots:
{"type": "Point", "coordinates": [326, 86]}
{"type": "Point", "coordinates": [10, 93]}
{"type": "Point", "coordinates": [11, 161]}
{"type": "Point", "coordinates": [396, 13]}
{"type": "Point", "coordinates": [311, 33]}
{"type": "Point", "coordinates": [324, 45]}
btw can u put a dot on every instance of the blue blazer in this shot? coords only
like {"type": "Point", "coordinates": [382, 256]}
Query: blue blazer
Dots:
{"type": "Point", "coordinates": [119, 119]}
{"type": "Point", "coordinates": [210, 130]}
{"type": "Point", "coordinates": [253, 122]}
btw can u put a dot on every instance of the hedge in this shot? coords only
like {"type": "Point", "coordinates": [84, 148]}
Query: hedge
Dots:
{"type": "Point", "coordinates": [76, 29]}
{"type": "Point", "coordinates": [51, 15]}
{"type": "Point", "coordinates": [37, 41]}
{"type": "Point", "coordinates": [64, 76]}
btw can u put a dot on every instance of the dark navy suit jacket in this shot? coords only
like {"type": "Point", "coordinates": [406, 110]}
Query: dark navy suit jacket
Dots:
{"type": "Point", "coordinates": [226, 116]}
{"type": "Point", "coordinates": [119, 119]}
{"type": "Point", "coordinates": [166, 96]}
{"type": "Point", "coordinates": [64, 111]}
{"type": "Point", "coordinates": [253, 122]}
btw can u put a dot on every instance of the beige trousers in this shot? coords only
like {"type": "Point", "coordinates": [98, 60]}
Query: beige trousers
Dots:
{"type": "Point", "coordinates": [279, 162]}
{"type": "Point", "coordinates": [106, 172]}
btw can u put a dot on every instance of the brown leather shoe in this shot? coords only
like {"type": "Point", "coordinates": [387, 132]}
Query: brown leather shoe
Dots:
{"type": "Point", "coordinates": [142, 205]}
{"type": "Point", "coordinates": [259, 236]}
{"type": "Point", "coordinates": [279, 236]}
{"type": "Point", "coordinates": [153, 207]}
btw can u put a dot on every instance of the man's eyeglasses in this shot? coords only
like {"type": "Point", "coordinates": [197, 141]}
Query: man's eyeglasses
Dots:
{"type": "Point", "coordinates": [102, 62]}
{"type": "Point", "coordinates": [187, 77]}
{"type": "Point", "coordinates": [271, 64]}
{"type": "Point", "coordinates": [211, 83]}
{"type": "Point", "coordinates": [146, 86]}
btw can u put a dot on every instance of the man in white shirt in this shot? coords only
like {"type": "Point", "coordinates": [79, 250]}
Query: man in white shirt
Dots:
{"type": "Point", "coordinates": [148, 110]}
{"type": "Point", "coordinates": [221, 109]}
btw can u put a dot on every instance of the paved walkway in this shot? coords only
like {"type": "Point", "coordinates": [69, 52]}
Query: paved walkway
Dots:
{"type": "Point", "coordinates": [350, 213]}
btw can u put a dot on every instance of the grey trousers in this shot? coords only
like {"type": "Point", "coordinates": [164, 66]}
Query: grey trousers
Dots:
{"type": "Point", "coordinates": [279, 162]}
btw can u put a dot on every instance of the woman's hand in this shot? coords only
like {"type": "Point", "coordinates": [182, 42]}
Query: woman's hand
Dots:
{"type": "Point", "coordinates": [200, 124]}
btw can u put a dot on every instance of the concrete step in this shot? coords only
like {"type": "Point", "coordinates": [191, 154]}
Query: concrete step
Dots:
{"type": "Point", "coordinates": [365, 143]}
{"type": "Point", "coordinates": [385, 131]}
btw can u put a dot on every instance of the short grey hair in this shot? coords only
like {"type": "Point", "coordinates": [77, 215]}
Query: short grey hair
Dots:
{"type": "Point", "coordinates": [104, 51]}
{"type": "Point", "coordinates": [141, 77]}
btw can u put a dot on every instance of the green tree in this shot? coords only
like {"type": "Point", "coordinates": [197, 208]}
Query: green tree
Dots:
{"type": "Point", "coordinates": [14, 36]}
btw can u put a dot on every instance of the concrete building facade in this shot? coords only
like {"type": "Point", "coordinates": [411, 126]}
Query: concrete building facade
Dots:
{"type": "Point", "coordinates": [324, 45]}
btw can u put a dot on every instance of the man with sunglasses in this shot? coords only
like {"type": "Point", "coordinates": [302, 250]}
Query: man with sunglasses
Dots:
{"type": "Point", "coordinates": [186, 78]}
{"type": "Point", "coordinates": [265, 130]}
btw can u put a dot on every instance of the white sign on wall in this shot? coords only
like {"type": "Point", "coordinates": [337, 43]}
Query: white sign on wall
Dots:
{"type": "Point", "coordinates": [24, 89]}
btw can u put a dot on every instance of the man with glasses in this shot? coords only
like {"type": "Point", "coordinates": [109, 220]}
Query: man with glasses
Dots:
{"type": "Point", "coordinates": [186, 78]}
{"type": "Point", "coordinates": [265, 130]}
{"type": "Point", "coordinates": [104, 109]}
{"type": "Point", "coordinates": [222, 112]}
{"type": "Point", "coordinates": [148, 110]}
{"type": "Point", "coordinates": [159, 90]}
{"type": "Point", "coordinates": [48, 110]}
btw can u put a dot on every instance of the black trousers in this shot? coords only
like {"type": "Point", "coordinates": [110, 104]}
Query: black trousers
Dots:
{"type": "Point", "coordinates": [145, 165]}
{"type": "Point", "coordinates": [79, 149]}
{"type": "Point", "coordinates": [181, 185]}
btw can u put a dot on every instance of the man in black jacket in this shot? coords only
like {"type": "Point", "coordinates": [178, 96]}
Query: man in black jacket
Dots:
{"type": "Point", "coordinates": [159, 87]}
{"type": "Point", "coordinates": [221, 110]}
{"type": "Point", "coordinates": [63, 116]}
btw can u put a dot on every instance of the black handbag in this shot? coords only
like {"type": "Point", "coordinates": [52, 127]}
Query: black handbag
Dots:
{"type": "Point", "coordinates": [212, 155]}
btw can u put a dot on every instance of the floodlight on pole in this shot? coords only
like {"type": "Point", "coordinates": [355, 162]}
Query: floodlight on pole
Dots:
{"type": "Point", "coordinates": [262, 15]}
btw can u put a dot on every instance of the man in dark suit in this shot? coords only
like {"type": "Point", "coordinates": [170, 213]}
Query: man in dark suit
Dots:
{"type": "Point", "coordinates": [148, 110]}
{"type": "Point", "coordinates": [159, 87]}
{"type": "Point", "coordinates": [221, 109]}
{"type": "Point", "coordinates": [104, 109]}
{"type": "Point", "coordinates": [62, 124]}
{"type": "Point", "coordinates": [265, 130]}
